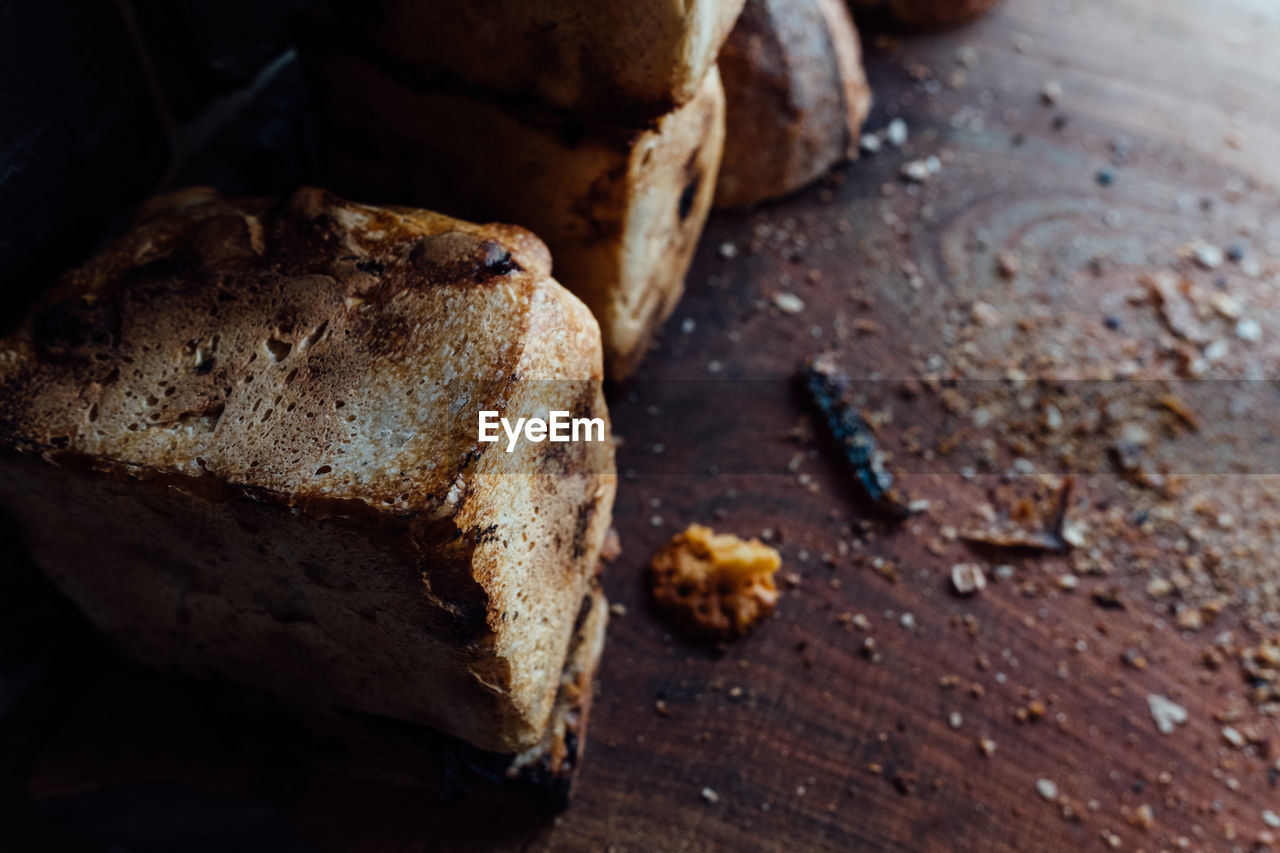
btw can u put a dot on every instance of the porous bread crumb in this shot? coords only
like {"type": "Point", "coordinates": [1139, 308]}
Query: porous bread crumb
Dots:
{"type": "Point", "coordinates": [715, 584]}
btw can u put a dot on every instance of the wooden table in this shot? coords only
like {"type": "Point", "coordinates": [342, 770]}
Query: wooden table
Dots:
{"type": "Point", "coordinates": [1163, 129]}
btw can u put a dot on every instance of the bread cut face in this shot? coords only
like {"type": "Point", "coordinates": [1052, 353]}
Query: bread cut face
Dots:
{"type": "Point", "coordinates": [621, 208]}
{"type": "Point", "coordinates": [244, 440]}
{"type": "Point", "coordinates": [796, 97]}
{"type": "Point", "coordinates": [630, 61]}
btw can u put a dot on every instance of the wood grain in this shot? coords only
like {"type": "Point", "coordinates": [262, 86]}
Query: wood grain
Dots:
{"type": "Point", "coordinates": [808, 742]}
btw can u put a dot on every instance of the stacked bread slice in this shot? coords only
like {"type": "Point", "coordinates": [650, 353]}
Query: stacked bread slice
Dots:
{"type": "Point", "coordinates": [599, 126]}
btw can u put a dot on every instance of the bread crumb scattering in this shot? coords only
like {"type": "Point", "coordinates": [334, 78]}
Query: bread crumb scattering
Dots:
{"type": "Point", "coordinates": [715, 585]}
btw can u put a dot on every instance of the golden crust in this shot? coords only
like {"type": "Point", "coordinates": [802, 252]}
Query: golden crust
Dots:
{"type": "Point", "coordinates": [262, 418]}
{"type": "Point", "coordinates": [259, 345]}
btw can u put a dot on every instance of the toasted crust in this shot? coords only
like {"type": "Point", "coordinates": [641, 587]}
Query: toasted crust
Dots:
{"type": "Point", "coordinates": [796, 97]}
{"type": "Point", "coordinates": [629, 62]}
{"type": "Point", "coordinates": [552, 765]}
{"type": "Point", "coordinates": [620, 207]}
{"type": "Point", "coordinates": [542, 776]}
{"type": "Point", "coordinates": [262, 419]}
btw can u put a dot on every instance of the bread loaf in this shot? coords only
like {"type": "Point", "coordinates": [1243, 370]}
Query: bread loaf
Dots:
{"type": "Point", "coordinates": [629, 62]}
{"type": "Point", "coordinates": [244, 440]}
{"type": "Point", "coordinates": [621, 207]}
{"type": "Point", "coordinates": [795, 96]}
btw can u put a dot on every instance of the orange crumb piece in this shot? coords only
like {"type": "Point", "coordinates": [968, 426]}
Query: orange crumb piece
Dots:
{"type": "Point", "coordinates": [715, 584]}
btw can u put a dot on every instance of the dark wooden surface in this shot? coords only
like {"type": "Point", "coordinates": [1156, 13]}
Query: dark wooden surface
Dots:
{"type": "Point", "coordinates": [807, 741]}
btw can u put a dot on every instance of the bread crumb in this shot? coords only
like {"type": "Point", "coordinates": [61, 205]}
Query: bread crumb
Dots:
{"type": "Point", "coordinates": [1166, 713]}
{"type": "Point", "coordinates": [896, 133]}
{"type": "Point", "coordinates": [716, 585]}
{"type": "Point", "coordinates": [1143, 817]}
{"type": "Point", "coordinates": [788, 303]}
{"type": "Point", "coordinates": [967, 578]}
{"type": "Point", "coordinates": [920, 171]}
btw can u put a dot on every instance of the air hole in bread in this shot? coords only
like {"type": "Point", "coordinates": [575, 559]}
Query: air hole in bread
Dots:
{"type": "Point", "coordinates": [323, 469]}
{"type": "Point", "coordinates": [201, 422]}
{"type": "Point", "coordinates": [279, 349]}
{"type": "Point", "coordinates": [93, 413]}
{"type": "Point", "coordinates": [314, 336]}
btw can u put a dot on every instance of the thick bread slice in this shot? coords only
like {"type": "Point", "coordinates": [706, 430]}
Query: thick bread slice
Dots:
{"type": "Point", "coordinates": [621, 208]}
{"type": "Point", "coordinates": [244, 440]}
{"type": "Point", "coordinates": [631, 61]}
{"type": "Point", "coordinates": [796, 97]}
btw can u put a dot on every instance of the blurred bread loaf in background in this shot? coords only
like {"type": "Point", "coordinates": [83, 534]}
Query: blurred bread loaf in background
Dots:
{"type": "Point", "coordinates": [629, 61]}
{"type": "Point", "coordinates": [597, 126]}
{"type": "Point", "coordinates": [796, 97]}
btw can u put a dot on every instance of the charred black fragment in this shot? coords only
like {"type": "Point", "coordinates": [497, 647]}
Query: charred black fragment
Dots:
{"type": "Point", "coordinates": [828, 387]}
